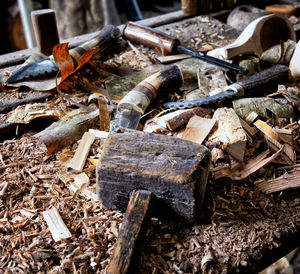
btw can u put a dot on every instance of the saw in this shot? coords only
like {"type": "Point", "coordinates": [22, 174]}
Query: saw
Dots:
{"type": "Point", "coordinates": [103, 41]}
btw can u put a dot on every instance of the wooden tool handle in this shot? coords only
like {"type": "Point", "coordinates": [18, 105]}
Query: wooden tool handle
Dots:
{"type": "Point", "coordinates": [45, 29]}
{"type": "Point", "coordinates": [131, 235]}
{"type": "Point", "coordinates": [150, 37]}
{"type": "Point", "coordinates": [103, 41]}
{"type": "Point", "coordinates": [146, 91]}
{"type": "Point", "coordinates": [267, 80]}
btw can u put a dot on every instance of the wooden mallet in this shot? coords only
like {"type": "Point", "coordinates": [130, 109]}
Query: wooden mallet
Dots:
{"type": "Point", "coordinates": [149, 173]}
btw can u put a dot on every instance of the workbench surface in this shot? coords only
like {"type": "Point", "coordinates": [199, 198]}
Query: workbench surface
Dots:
{"type": "Point", "coordinates": [243, 229]}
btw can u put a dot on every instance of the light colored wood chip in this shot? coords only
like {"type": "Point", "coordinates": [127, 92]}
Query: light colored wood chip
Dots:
{"type": "Point", "coordinates": [172, 58]}
{"type": "Point", "coordinates": [252, 116]}
{"type": "Point", "coordinates": [99, 133]}
{"type": "Point", "coordinates": [56, 225]}
{"type": "Point", "coordinates": [78, 161]}
{"type": "Point", "coordinates": [198, 129]}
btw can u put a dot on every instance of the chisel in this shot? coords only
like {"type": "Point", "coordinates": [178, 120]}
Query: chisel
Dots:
{"type": "Point", "coordinates": [168, 44]}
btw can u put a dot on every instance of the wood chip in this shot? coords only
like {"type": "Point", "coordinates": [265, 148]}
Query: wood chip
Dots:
{"type": "Point", "coordinates": [56, 225]}
{"type": "Point", "coordinates": [79, 159]}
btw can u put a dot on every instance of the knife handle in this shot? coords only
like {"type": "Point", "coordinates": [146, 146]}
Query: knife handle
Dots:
{"type": "Point", "coordinates": [103, 41]}
{"type": "Point", "coordinates": [150, 37]}
{"type": "Point", "coordinates": [267, 80]}
{"type": "Point", "coordinates": [140, 97]}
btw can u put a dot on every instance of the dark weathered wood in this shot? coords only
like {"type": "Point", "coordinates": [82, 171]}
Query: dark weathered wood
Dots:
{"type": "Point", "coordinates": [63, 133]}
{"type": "Point", "coordinates": [174, 170]}
{"type": "Point", "coordinates": [131, 235]}
{"type": "Point", "coordinates": [8, 101]}
{"type": "Point", "coordinates": [45, 30]}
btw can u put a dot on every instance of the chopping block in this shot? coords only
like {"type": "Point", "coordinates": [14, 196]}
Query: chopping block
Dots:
{"type": "Point", "coordinates": [149, 174]}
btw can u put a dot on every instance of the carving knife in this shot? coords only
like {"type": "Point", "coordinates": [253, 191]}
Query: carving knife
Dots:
{"type": "Point", "coordinates": [168, 44]}
{"type": "Point", "coordinates": [103, 41]}
{"type": "Point", "coordinates": [257, 84]}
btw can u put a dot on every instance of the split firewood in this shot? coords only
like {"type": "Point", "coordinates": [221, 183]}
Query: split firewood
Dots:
{"type": "Point", "coordinates": [63, 133]}
{"type": "Point", "coordinates": [230, 133]}
{"type": "Point", "coordinates": [251, 117]}
{"type": "Point", "coordinates": [179, 118]}
{"type": "Point", "coordinates": [79, 159]}
{"type": "Point", "coordinates": [198, 129]}
{"type": "Point", "coordinates": [56, 225]}
{"type": "Point", "coordinates": [78, 184]}
{"type": "Point", "coordinates": [288, 155]}
{"type": "Point", "coordinates": [104, 116]}
{"type": "Point", "coordinates": [279, 107]}
{"type": "Point", "coordinates": [249, 130]}
{"type": "Point", "coordinates": [245, 171]}
{"type": "Point", "coordinates": [285, 182]}
{"type": "Point", "coordinates": [285, 135]}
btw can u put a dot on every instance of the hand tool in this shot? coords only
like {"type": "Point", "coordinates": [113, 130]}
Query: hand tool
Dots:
{"type": "Point", "coordinates": [261, 34]}
{"type": "Point", "coordinates": [267, 80]}
{"type": "Point", "coordinates": [133, 105]}
{"type": "Point", "coordinates": [168, 44]}
{"type": "Point", "coordinates": [103, 41]}
{"type": "Point", "coordinates": [157, 173]}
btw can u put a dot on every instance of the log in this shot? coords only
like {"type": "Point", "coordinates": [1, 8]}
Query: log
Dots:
{"type": "Point", "coordinates": [64, 133]}
{"type": "Point", "coordinates": [179, 118]}
{"type": "Point", "coordinates": [230, 133]}
{"type": "Point", "coordinates": [280, 107]}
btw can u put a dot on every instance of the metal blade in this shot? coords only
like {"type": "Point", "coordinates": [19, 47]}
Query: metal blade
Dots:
{"type": "Point", "coordinates": [209, 59]}
{"type": "Point", "coordinates": [202, 101]}
{"type": "Point", "coordinates": [34, 70]}
{"type": "Point", "coordinates": [126, 118]}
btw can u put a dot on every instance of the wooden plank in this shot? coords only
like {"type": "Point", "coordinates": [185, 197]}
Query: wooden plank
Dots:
{"type": "Point", "coordinates": [79, 159]}
{"type": "Point", "coordinates": [56, 225]}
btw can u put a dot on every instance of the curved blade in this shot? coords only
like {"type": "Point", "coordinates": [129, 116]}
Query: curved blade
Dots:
{"type": "Point", "coordinates": [34, 70]}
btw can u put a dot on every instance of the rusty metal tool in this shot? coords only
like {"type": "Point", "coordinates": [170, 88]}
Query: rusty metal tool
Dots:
{"type": "Point", "coordinates": [149, 174]}
{"type": "Point", "coordinates": [267, 80]}
{"type": "Point", "coordinates": [103, 42]}
{"type": "Point", "coordinates": [168, 44]}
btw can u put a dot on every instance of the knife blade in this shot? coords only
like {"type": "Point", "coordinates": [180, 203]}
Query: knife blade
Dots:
{"type": "Point", "coordinates": [256, 84]}
{"type": "Point", "coordinates": [168, 44]}
{"type": "Point", "coordinates": [103, 41]}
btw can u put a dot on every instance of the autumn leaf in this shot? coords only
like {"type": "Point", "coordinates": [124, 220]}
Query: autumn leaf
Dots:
{"type": "Point", "coordinates": [63, 60]}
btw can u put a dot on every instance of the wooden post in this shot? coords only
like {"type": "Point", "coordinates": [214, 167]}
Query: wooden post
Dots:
{"type": "Point", "coordinates": [45, 29]}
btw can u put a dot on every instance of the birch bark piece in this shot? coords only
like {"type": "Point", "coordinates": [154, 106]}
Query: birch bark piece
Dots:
{"type": "Point", "coordinates": [295, 64]}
